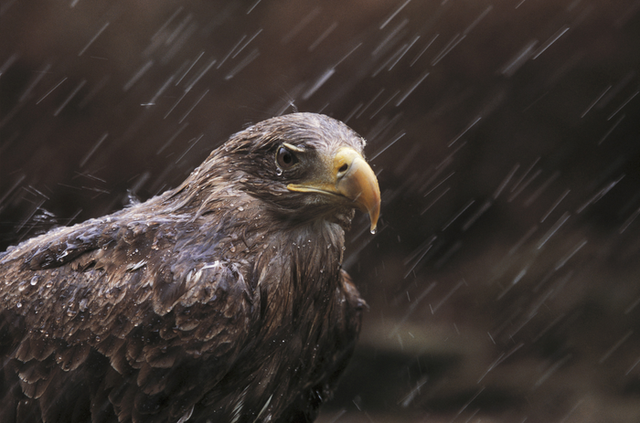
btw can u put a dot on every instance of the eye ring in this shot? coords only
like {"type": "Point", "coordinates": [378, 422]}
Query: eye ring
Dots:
{"type": "Point", "coordinates": [285, 158]}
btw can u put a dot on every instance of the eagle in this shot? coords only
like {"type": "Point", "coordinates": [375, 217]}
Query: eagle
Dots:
{"type": "Point", "coordinates": [222, 300]}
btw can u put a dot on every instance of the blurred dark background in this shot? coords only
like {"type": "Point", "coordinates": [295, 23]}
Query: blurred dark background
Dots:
{"type": "Point", "coordinates": [504, 282]}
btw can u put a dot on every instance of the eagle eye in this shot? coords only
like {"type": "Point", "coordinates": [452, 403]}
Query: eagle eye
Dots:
{"type": "Point", "coordinates": [285, 158]}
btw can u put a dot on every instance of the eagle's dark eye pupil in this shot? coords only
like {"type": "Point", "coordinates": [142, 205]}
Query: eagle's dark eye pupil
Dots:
{"type": "Point", "coordinates": [285, 158]}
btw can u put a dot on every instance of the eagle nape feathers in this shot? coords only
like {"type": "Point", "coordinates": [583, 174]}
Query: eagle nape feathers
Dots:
{"type": "Point", "coordinates": [222, 300]}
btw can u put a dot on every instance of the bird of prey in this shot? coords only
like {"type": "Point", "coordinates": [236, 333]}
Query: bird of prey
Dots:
{"type": "Point", "coordinates": [222, 300]}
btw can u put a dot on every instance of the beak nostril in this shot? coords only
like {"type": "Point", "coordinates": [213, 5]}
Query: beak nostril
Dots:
{"type": "Point", "coordinates": [343, 168]}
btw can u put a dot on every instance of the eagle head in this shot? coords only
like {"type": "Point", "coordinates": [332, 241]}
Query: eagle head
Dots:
{"type": "Point", "coordinates": [302, 166]}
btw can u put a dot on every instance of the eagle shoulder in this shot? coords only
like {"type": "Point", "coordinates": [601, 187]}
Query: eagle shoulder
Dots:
{"type": "Point", "coordinates": [124, 306]}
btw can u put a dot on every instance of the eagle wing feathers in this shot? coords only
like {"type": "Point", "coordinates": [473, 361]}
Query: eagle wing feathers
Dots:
{"type": "Point", "coordinates": [132, 313]}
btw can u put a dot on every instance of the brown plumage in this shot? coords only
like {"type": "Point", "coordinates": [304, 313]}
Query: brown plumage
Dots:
{"type": "Point", "coordinates": [222, 300]}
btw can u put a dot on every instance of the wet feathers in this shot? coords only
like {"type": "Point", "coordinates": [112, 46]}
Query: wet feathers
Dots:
{"type": "Point", "coordinates": [222, 300]}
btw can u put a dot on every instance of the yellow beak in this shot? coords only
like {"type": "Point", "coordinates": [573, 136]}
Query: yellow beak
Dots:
{"type": "Point", "coordinates": [347, 174]}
